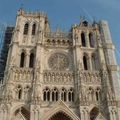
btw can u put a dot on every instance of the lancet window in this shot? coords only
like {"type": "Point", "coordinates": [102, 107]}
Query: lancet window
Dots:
{"type": "Point", "coordinates": [85, 62]}
{"type": "Point", "coordinates": [55, 94]}
{"type": "Point", "coordinates": [22, 59]}
{"type": "Point", "coordinates": [63, 94]}
{"type": "Point", "coordinates": [97, 94]}
{"type": "Point", "coordinates": [26, 28]}
{"type": "Point", "coordinates": [33, 29]}
{"type": "Point", "coordinates": [31, 61]}
{"type": "Point", "coordinates": [71, 95]}
{"type": "Point", "coordinates": [91, 40]}
{"type": "Point", "coordinates": [46, 94]}
{"type": "Point", "coordinates": [83, 41]}
{"type": "Point", "coordinates": [19, 92]}
{"type": "Point", "coordinates": [94, 61]}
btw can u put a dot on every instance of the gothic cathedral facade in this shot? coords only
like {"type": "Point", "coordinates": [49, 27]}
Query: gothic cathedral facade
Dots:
{"type": "Point", "coordinates": [60, 75]}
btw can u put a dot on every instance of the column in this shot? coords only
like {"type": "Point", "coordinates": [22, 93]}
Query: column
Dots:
{"type": "Point", "coordinates": [27, 60]}
{"type": "Point", "coordinates": [87, 39]}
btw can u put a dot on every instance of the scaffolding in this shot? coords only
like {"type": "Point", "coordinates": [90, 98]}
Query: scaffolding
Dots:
{"type": "Point", "coordinates": [5, 40]}
{"type": "Point", "coordinates": [2, 32]}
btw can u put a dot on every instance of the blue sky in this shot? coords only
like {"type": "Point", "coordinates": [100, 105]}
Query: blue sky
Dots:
{"type": "Point", "coordinates": [64, 13]}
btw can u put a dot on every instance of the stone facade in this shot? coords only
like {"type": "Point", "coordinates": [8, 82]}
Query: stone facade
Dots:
{"type": "Point", "coordinates": [60, 76]}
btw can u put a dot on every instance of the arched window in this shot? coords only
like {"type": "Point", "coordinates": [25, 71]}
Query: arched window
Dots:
{"type": "Point", "coordinates": [83, 39]}
{"type": "Point", "coordinates": [46, 94]}
{"type": "Point", "coordinates": [26, 28]}
{"type": "Point", "coordinates": [97, 94]}
{"type": "Point", "coordinates": [94, 113]}
{"type": "Point", "coordinates": [91, 39]}
{"type": "Point", "coordinates": [27, 93]}
{"type": "Point", "coordinates": [19, 92]}
{"type": "Point", "coordinates": [34, 29]}
{"type": "Point", "coordinates": [71, 95]}
{"type": "Point", "coordinates": [91, 94]}
{"type": "Point", "coordinates": [94, 61]}
{"type": "Point", "coordinates": [31, 62]}
{"type": "Point", "coordinates": [63, 95]}
{"type": "Point", "coordinates": [22, 59]}
{"type": "Point", "coordinates": [85, 63]}
{"type": "Point", "coordinates": [55, 95]}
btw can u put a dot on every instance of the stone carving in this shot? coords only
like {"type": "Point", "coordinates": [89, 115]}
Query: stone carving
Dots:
{"type": "Point", "coordinates": [58, 77]}
{"type": "Point", "coordinates": [58, 61]}
{"type": "Point", "coordinates": [90, 77]}
{"type": "Point", "coordinates": [24, 74]}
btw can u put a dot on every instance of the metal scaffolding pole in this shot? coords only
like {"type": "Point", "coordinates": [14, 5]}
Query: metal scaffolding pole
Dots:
{"type": "Point", "coordinates": [2, 33]}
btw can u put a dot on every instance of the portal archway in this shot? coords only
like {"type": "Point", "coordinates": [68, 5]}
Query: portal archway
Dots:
{"type": "Point", "coordinates": [94, 113]}
{"type": "Point", "coordinates": [21, 114]}
{"type": "Point", "coordinates": [60, 116]}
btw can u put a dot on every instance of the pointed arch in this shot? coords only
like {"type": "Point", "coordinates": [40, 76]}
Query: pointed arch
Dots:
{"type": "Point", "coordinates": [22, 59]}
{"type": "Point", "coordinates": [26, 28]}
{"type": "Point", "coordinates": [91, 94]}
{"type": "Point", "coordinates": [64, 94]}
{"type": "Point", "coordinates": [94, 61]}
{"type": "Point", "coordinates": [97, 93]}
{"type": "Point", "coordinates": [31, 61]}
{"type": "Point", "coordinates": [83, 41]}
{"type": "Point", "coordinates": [60, 116]}
{"type": "Point", "coordinates": [19, 88]}
{"type": "Point", "coordinates": [60, 106]}
{"type": "Point", "coordinates": [91, 40]}
{"type": "Point", "coordinates": [85, 61]}
{"type": "Point", "coordinates": [55, 94]}
{"type": "Point", "coordinates": [94, 113]}
{"type": "Point", "coordinates": [46, 94]}
{"type": "Point", "coordinates": [34, 29]}
{"type": "Point", "coordinates": [71, 95]}
{"type": "Point", "coordinates": [21, 114]}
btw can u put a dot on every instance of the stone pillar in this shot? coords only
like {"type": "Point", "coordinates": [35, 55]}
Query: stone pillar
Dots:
{"type": "Point", "coordinates": [110, 57]}
{"type": "Point", "coordinates": [90, 62]}
{"type": "Point", "coordinates": [27, 60]}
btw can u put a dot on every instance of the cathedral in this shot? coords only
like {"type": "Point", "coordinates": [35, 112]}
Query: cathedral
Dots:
{"type": "Point", "coordinates": [60, 75]}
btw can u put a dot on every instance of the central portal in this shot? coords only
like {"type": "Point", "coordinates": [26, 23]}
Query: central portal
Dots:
{"type": "Point", "coordinates": [60, 116]}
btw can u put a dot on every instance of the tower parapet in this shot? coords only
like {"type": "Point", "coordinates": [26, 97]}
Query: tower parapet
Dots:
{"type": "Point", "coordinates": [21, 12]}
